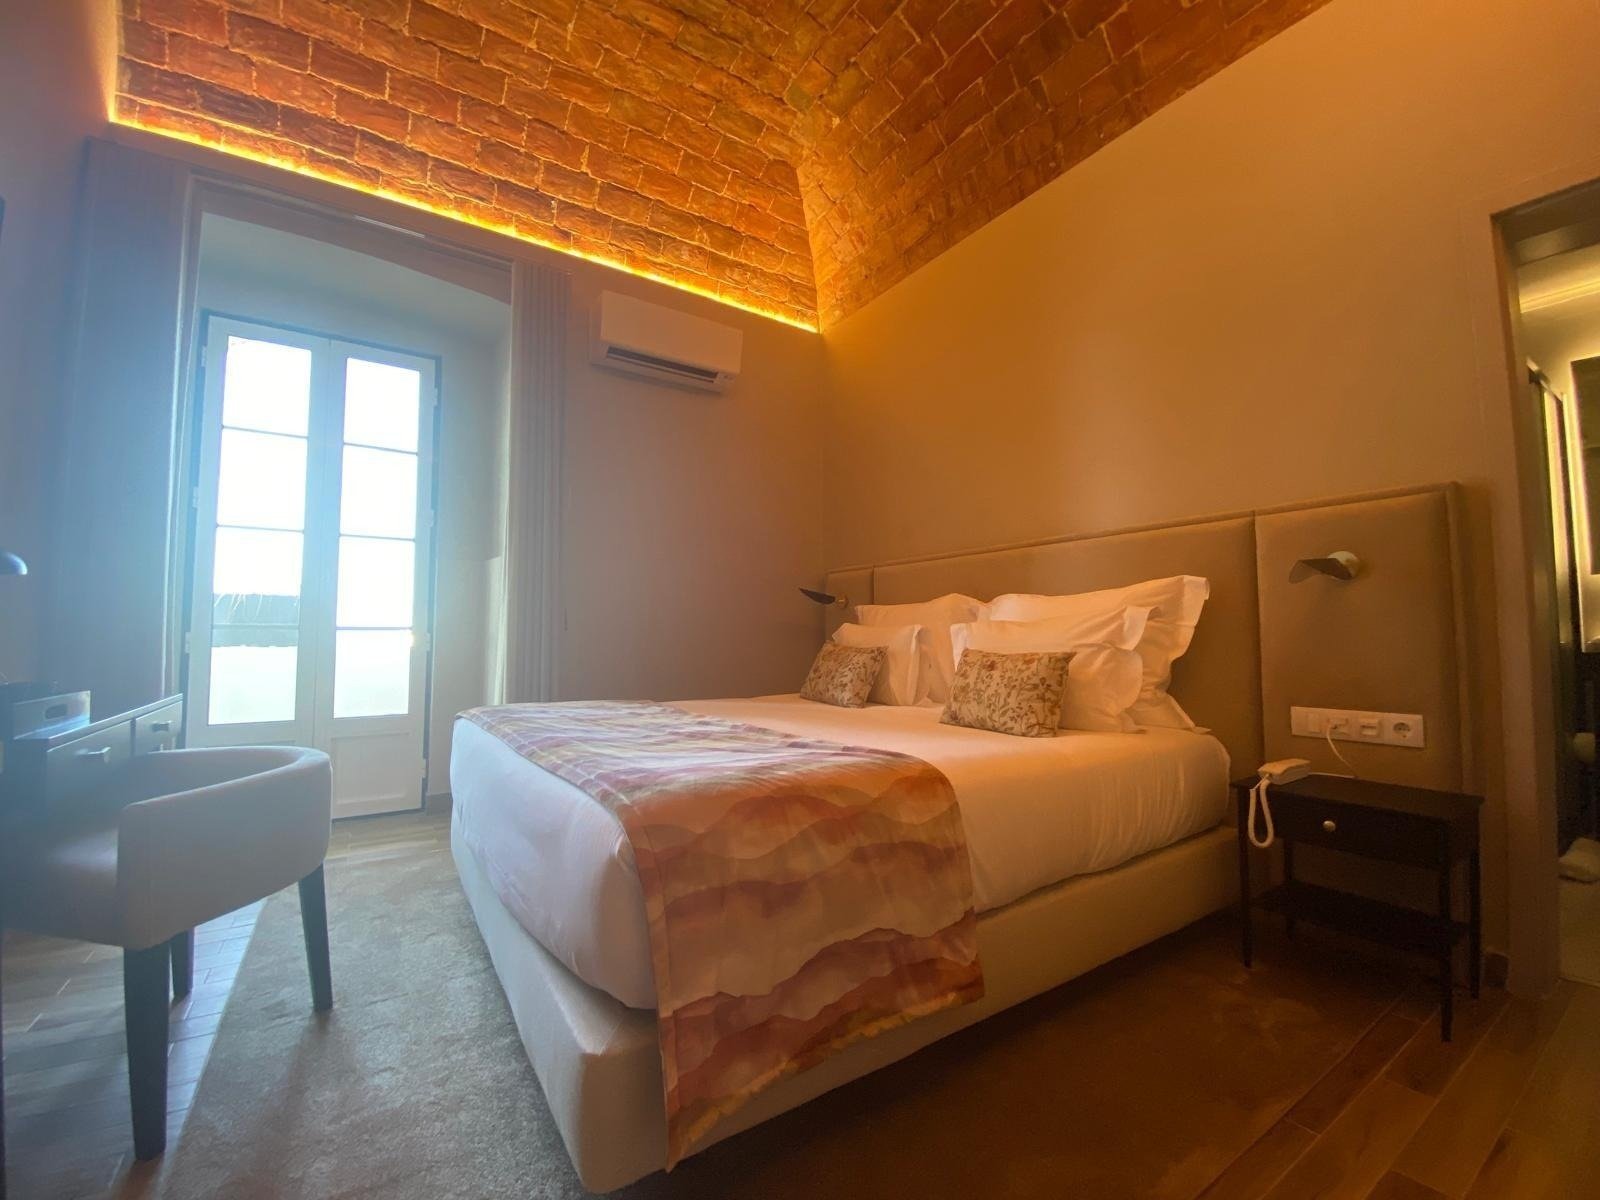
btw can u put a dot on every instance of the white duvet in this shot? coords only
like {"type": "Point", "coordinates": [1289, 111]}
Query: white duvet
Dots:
{"type": "Point", "coordinates": [1037, 811]}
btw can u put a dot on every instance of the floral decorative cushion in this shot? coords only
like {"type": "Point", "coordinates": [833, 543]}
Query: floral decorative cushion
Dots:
{"type": "Point", "coordinates": [844, 675]}
{"type": "Point", "coordinates": [1009, 693]}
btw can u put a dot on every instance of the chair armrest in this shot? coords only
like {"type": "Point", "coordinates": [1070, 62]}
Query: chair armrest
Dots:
{"type": "Point", "coordinates": [188, 856]}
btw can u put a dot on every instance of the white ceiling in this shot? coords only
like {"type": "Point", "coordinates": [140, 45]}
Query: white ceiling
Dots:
{"type": "Point", "coordinates": [1560, 279]}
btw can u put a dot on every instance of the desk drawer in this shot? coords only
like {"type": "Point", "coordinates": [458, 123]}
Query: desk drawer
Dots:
{"type": "Point", "coordinates": [86, 764]}
{"type": "Point", "coordinates": [158, 730]}
{"type": "Point", "coordinates": [1396, 837]}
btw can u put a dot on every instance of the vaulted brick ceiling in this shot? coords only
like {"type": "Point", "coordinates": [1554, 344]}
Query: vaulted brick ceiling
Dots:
{"type": "Point", "coordinates": [796, 156]}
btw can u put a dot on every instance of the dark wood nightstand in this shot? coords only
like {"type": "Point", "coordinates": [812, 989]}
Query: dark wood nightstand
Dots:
{"type": "Point", "coordinates": [1415, 826]}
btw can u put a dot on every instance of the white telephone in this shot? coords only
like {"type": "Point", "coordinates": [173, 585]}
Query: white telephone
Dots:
{"type": "Point", "coordinates": [1284, 770]}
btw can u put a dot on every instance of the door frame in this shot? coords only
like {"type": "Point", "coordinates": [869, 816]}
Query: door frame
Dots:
{"type": "Point", "coordinates": [1519, 589]}
{"type": "Point", "coordinates": [195, 430]}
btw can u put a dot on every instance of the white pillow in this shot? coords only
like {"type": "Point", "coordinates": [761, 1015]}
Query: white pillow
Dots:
{"type": "Point", "coordinates": [1103, 681]}
{"type": "Point", "coordinates": [1177, 601]}
{"type": "Point", "coordinates": [935, 617]}
{"type": "Point", "coordinates": [900, 680]}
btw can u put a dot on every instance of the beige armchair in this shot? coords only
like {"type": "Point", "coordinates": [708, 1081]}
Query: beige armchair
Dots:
{"type": "Point", "coordinates": [177, 839]}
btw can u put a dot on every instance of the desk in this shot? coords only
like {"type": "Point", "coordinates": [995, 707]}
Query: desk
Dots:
{"type": "Point", "coordinates": [59, 768]}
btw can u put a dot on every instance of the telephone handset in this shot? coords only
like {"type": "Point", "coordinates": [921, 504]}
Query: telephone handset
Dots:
{"type": "Point", "coordinates": [1284, 770]}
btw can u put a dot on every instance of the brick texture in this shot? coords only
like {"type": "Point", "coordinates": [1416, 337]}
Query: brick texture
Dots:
{"type": "Point", "coordinates": [799, 156]}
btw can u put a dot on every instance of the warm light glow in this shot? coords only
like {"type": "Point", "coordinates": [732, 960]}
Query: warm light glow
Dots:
{"type": "Point", "coordinates": [451, 214]}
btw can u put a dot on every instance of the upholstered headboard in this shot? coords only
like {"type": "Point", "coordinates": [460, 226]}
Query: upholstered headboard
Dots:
{"type": "Point", "coordinates": [1388, 640]}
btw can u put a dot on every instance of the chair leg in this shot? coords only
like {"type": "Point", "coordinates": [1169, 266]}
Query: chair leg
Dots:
{"type": "Point", "coordinates": [144, 993]}
{"type": "Point", "coordinates": [182, 950]}
{"type": "Point", "coordinates": [314, 921]}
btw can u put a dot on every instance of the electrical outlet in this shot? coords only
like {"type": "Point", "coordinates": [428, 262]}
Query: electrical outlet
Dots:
{"type": "Point", "coordinates": [1356, 725]}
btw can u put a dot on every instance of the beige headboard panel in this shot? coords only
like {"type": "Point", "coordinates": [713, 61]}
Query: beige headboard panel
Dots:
{"type": "Point", "coordinates": [1218, 681]}
{"type": "Point", "coordinates": [1387, 640]}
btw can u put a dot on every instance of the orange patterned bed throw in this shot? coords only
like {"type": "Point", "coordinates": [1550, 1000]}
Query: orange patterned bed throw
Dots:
{"type": "Point", "coordinates": [800, 895]}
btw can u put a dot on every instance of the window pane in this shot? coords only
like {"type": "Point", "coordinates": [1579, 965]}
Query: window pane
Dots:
{"type": "Point", "coordinates": [252, 683]}
{"type": "Point", "coordinates": [262, 480]}
{"type": "Point", "coordinates": [375, 579]}
{"type": "Point", "coordinates": [266, 386]}
{"type": "Point", "coordinates": [371, 672]}
{"type": "Point", "coordinates": [381, 404]}
{"type": "Point", "coordinates": [256, 562]}
{"type": "Point", "coordinates": [379, 493]}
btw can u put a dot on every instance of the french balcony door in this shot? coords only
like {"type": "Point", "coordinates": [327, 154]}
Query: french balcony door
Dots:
{"type": "Point", "coordinates": [312, 548]}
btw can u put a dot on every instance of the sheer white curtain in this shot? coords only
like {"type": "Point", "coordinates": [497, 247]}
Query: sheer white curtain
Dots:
{"type": "Point", "coordinates": [532, 562]}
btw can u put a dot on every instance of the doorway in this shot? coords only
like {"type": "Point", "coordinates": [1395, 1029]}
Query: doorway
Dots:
{"type": "Point", "coordinates": [341, 523]}
{"type": "Point", "coordinates": [310, 611]}
{"type": "Point", "coordinates": [1555, 248]}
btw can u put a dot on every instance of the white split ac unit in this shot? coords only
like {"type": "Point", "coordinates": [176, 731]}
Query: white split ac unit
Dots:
{"type": "Point", "coordinates": [662, 343]}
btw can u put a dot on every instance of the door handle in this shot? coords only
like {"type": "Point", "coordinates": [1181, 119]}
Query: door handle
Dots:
{"type": "Point", "coordinates": [103, 754]}
{"type": "Point", "coordinates": [161, 727]}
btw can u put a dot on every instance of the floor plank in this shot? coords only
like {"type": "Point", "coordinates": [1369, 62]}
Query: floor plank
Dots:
{"type": "Point", "coordinates": [1395, 1186]}
{"type": "Point", "coordinates": [1450, 1148]}
{"type": "Point", "coordinates": [1551, 1143]}
{"type": "Point", "coordinates": [1260, 1167]}
{"type": "Point", "coordinates": [1333, 1093]}
{"type": "Point", "coordinates": [1347, 1161]}
{"type": "Point", "coordinates": [1429, 1062]}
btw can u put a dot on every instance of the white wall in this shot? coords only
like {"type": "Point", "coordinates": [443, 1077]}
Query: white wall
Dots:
{"type": "Point", "coordinates": [1558, 336]}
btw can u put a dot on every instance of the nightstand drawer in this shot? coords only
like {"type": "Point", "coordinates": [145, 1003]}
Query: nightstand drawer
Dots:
{"type": "Point", "coordinates": [1375, 833]}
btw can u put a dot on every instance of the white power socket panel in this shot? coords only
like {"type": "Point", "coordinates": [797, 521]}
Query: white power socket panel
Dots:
{"type": "Point", "coordinates": [1355, 725]}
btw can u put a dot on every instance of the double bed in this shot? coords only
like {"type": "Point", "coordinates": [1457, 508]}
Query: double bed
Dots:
{"type": "Point", "coordinates": [1036, 812]}
{"type": "Point", "coordinates": [1082, 846]}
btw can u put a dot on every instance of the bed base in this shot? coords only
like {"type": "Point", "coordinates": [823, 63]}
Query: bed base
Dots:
{"type": "Point", "coordinates": [598, 1061]}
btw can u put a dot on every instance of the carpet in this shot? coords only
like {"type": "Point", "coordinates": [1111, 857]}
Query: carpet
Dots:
{"type": "Point", "coordinates": [1144, 1079]}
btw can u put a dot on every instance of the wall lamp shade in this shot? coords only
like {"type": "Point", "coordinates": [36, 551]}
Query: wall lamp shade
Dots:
{"type": "Point", "coordinates": [825, 597]}
{"type": "Point", "coordinates": [12, 564]}
{"type": "Point", "coordinates": [1341, 564]}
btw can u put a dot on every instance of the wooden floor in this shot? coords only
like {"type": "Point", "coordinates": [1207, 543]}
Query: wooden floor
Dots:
{"type": "Point", "coordinates": [1510, 1110]}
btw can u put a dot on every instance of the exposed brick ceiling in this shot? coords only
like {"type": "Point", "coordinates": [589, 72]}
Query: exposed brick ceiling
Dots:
{"type": "Point", "coordinates": [799, 156]}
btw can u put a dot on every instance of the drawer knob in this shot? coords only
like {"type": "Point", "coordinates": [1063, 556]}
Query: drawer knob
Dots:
{"type": "Point", "coordinates": [161, 727]}
{"type": "Point", "coordinates": [103, 754]}
{"type": "Point", "coordinates": [1329, 826]}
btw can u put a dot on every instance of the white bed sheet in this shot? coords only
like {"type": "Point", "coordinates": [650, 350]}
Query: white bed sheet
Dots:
{"type": "Point", "coordinates": [1036, 811]}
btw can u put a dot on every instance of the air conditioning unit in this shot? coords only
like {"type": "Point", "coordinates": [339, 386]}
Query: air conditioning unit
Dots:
{"type": "Point", "coordinates": [662, 343]}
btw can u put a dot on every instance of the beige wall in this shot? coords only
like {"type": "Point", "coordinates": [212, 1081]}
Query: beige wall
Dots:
{"type": "Point", "coordinates": [1279, 288]}
{"type": "Point", "coordinates": [691, 518]}
{"type": "Point", "coordinates": [55, 64]}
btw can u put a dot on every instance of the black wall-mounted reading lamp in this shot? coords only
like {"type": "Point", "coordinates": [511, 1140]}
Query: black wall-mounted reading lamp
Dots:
{"type": "Point", "coordinates": [1343, 565]}
{"type": "Point", "coordinates": [825, 598]}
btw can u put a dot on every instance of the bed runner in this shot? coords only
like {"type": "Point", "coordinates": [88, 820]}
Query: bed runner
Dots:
{"type": "Point", "coordinates": [800, 895]}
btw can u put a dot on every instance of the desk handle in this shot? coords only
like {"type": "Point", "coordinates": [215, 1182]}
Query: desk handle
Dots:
{"type": "Point", "coordinates": [101, 755]}
{"type": "Point", "coordinates": [161, 727]}
{"type": "Point", "coordinates": [1329, 826]}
